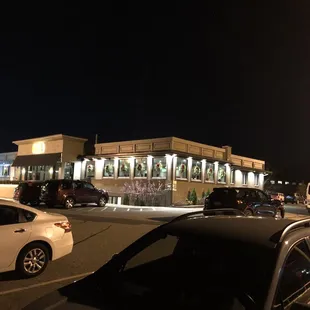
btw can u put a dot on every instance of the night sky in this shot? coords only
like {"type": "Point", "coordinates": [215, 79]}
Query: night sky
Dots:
{"type": "Point", "coordinates": [216, 74]}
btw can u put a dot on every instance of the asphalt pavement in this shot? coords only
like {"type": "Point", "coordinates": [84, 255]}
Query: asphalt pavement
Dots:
{"type": "Point", "coordinates": [98, 234]}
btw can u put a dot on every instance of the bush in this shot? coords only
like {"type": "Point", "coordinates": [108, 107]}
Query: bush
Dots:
{"type": "Point", "coordinates": [194, 197]}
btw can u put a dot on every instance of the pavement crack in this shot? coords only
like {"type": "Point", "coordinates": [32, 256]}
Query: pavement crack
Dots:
{"type": "Point", "coordinates": [91, 236]}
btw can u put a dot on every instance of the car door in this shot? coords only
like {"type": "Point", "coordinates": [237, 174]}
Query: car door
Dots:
{"type": "Point", "coordinates": [90, 192]}
{"type": "Point", "coordinates": [79, 192]}
{"type": "Point", "coordinates": [14, 234]}
{"type": "Point", "coordinates": [264, 207]}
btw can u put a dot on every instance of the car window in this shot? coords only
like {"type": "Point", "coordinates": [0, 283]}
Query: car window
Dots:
{"type": "Point", "coordinates": [262, 196]}
{"type": "Point", "coordinates": [8, 215]}
{"type": "Point", "coordinates": [295, 276]}
{"type": "Point", "coordinates": [88, 185]}
{"type": "Point", "coordinates": [241, 194]}
{"type": "Point", "coordinates": [66, 184]}
{"type": "Point", "coordinates": [159, 249]}
{"type": "Point", "coordinates": [77, 185]}
{"type": "Point", "coordinates": [26, 216]}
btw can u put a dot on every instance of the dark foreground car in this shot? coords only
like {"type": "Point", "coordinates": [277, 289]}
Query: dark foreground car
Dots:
{"type": "Point", "coordinates": [251, 201]}
{"type": "Point", "coordinates": [69, 192]}
{"type": "Point", "coordinates": [28, 192]}
{"type": "Point", "coordinates": [202, 260]}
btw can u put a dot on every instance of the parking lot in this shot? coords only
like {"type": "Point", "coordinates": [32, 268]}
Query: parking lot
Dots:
{"type": "Point", "coordinates": [98, 234]}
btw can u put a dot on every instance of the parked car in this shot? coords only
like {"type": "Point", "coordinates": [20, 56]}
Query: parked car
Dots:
{"type": "Point", "coordinates": [31, 238]}
{"type": "Point", "coordinates": [69, 192]}
{"type": "Point", "coordinates": [200, 261]}
{"type": "Point", "coordinates": [251, 201]}
{"type": "Point", "coordinates": [291, 199]}
{"type": "Point", "coordinates": [277, 196]}
{"type": "Point", "coordinates": [28, 192]}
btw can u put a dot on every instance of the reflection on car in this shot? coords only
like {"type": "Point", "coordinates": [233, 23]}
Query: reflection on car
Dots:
{"type": "Point", "coordinates": [200, 261]}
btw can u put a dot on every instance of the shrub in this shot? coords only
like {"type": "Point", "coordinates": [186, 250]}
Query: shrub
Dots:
{"type": "Point", "coordinates": [194, 197]}
{"type": "Point", "coordinates": [126, 200]}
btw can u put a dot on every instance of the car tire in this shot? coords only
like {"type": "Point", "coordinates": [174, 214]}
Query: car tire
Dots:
{"type": "Point", "coordinates": [69, 203]}
{"type": "Point", "coordinates": [32, 260]}
{"type": "Point", "coordinates": [102, 201]}
{"type": "Point", "coordinates": [248, 212]}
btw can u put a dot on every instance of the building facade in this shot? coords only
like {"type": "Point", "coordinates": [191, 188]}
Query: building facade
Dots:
{"type": "Point", "coordinates": [50, 157]}
{"type": "Point", "coordinates": [6, 161]}
{"type": "Point", "coordinates": [180, 165]}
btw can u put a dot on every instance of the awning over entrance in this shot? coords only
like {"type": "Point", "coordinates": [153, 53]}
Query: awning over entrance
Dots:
{"type": "Point", "coordinates": [37, 160]}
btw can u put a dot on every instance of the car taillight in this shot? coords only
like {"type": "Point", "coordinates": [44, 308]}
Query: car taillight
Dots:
{"type": "Point", "coordinates": [64, 225]}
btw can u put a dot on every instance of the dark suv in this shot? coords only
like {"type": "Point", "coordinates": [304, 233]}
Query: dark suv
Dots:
{"type": "Point", "coordinates": [28, 192]}
{"type": "Point", "coordinates": [251, 201]}
{"type": "Point", "coordinates": [69, 192]}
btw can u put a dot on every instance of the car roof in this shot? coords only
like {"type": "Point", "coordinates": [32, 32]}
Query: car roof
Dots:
{"type": "Point", "coordinates": [261, 231]}
{"type": "Point", "coordinates": [12, 203]}
{"type": "Point", "coordinates": [235, 188]}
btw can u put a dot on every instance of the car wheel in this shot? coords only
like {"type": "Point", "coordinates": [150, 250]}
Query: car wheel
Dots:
{"type": "Point", "coordinates": [248, 212]}
{"type": "Point", "coordinates": [32, 260]}
{"type": "Point", "coordinates": [102, 201]}
{"type": "Point", "coordinates": [69, 203]}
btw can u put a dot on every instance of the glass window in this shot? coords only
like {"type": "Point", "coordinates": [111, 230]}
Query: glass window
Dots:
{"type": "Point", "coordinates": [26, 216]}
{"type": "Point", "coordinates": [90, 169]}
{"type": "Point", "coordinates": [196, 170]}
{"type": "Point", "coordinates": [159, 169]}
{"type": "Point", "coordinates": [157, 250]}
{"type": "Point", "coordinates": [124, 168]}
{"type": "Point", "coordinates": [221, 175]}
{"type": "Point", "coordinates": [108, 169]}
{"type": "Point", "coordinates": [232, 176]}
{"type": "Point", "coordinates": [141, 167]}
{"type": "Point", "coordinates": [181, 169]}
{"type": "Point", "coordinates": [262, 196]}
{"type": "Point", "coordinates": [256, 179]}
{"type": "Point", "coordinates": [88, 185]}
{"type": "Point", "coordinates": [209, 172]}
{"type": "Point", "coordinates": [244, 178]}
{"type": "Point", "coordinates": [69, 168]}
{"type": "Point", "coordinates": [8, 215]}
{"type": "Point", "coordinates": [295, 276]}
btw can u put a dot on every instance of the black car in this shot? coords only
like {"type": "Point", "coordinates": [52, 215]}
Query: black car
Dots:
{"type": "Point", "coordinates": [204, 260]}
{"type": "Point", "coordinates": [71, 192]}
{"type": "Point", "coordinates": [251, 201]}
{"type": "Point", "coordinates": [290, 199]}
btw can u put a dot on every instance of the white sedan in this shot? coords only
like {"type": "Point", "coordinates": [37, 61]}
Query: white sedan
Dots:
{"type": "Point", "coordinates": [30, 238]}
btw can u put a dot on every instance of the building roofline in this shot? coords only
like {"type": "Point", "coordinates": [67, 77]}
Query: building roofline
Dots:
{"type": "Point", "coordinates": [48, 138]}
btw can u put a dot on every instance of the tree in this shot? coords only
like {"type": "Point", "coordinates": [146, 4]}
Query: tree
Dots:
{"type": "Point", "coordinates": [193, 197]}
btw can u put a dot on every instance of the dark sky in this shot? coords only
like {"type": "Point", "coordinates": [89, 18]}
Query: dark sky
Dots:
{"type": "Point", "coordinates": [217, 74]}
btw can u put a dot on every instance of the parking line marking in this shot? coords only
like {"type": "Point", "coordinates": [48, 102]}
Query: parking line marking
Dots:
{"type": "Point", "coordinates": [92, 209]}
{"type": "Point", "coordinates": [15, 290]}
{"type": "Point", "coordinates": [104, 208]}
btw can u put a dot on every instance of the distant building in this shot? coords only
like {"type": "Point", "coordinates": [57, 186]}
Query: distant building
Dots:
{"type": "Point", "coordinates": [6, 161]}
{"type": "Point", "coordinates": [179, 164]}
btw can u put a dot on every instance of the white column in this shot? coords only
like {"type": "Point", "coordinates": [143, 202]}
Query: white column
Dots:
{"type": "Point", "coordinates": [149, 167]}
{"type": "Point", "coordinates": [99, 164]}
{"type": "Point", "coordinates": [77, 170]}
{"type": "Point", "coordinates": [132, 168]}
{"type": "Point", "coordinates": [189, 168]}
{"type": "Point", "coordinates": [261, 181]}
{"type": "Point", "coordinates": [216, 170]}
{"type": "Point", "coordinates": [203, 170]}
{"type": "Point", "coordinates": [174, 166]}
{"type": "Point", "coordinates": [116, 163]}
{"type": "Point", "coordinates": [83, 169]}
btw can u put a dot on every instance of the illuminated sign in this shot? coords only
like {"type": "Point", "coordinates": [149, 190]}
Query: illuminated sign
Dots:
{"type": "Point", "coordinates": [38, 148]}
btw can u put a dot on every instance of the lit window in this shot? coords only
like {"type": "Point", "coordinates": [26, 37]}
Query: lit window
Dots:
{"type": "Point", "coordinates": [108, 169]}
{"type": "Point", "coordinates": [256, 179]}
{"type": "Point", "coordinates": [141, 167]}
{"type": "Point", "coordinates": [181, 169]}
{"type": "Point", "coordinates": [90, 169]}
{"type": "Point", "coordinates": [232, 176]}
{"type": "Point", "coordinates": [272, 182]}
{"type": "Point", "coordinates": [279, 182]}
{"type": "Point", "coordinates": [159, 168]}
{"type": "Point", "coordinates": [124, 168]}
{"type": "Point", "coordinates": [221, 174]}
{"type": "Point", "coordinates": [196, 170]}
{"type": "Point", "coordinates": [209, 172]}
{"type": "Point", "coordinates": [244, 178]}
